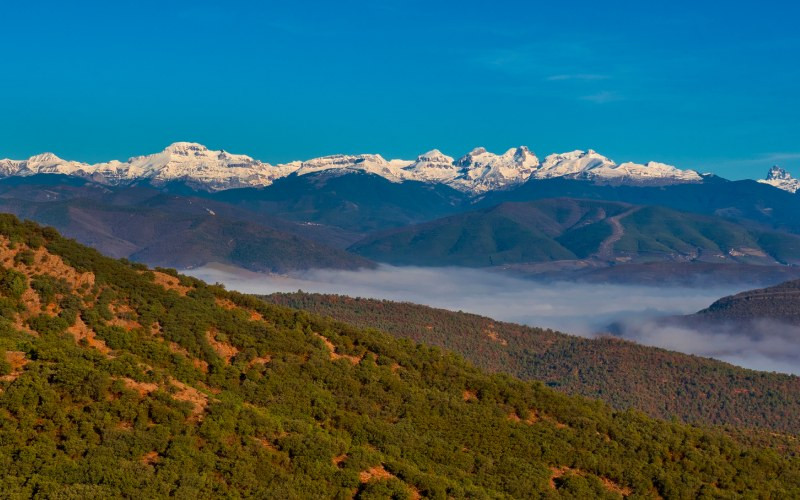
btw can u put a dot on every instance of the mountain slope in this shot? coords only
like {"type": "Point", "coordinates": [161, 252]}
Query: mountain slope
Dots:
{"type": "Point", "coordinates": [746, 201]}
{"type": "Point", "coordinates": [143, 224]}
{"type": "Point", "coordinates": [306, 215]}
{"type": "Point", "coordinates": [625, 375]}
{"type": "Point", "coordinates": [356, 202]}
{"type": "Point", "coordinates": [120, 381]}
{"type": "Point", "coordinates": [569, 229]}
{"type": "Point", "coordinates": [779, 303]}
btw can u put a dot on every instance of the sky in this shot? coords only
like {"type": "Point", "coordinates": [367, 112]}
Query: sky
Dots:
{"type": "Point", "coordinates": [705, 85]}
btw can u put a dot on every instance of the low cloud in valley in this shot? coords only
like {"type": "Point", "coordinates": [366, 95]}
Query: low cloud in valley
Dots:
{"type": "Point", "coordinates": [578, 308]}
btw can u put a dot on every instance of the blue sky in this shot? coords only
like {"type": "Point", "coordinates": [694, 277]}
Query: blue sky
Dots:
{"type": "Point", "coordinates": [713, 87]}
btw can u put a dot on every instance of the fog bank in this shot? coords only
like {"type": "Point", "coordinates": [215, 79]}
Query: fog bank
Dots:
{"type": "Point", "coordinates": [578, 308]}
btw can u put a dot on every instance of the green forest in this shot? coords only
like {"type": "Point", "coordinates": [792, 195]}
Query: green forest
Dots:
{"type": "Point", "coordinates": [121, 381]}
{"type": "Point", "coordinates": [664, 384]}
{"type": "Point", "coordinates": [568, 229]}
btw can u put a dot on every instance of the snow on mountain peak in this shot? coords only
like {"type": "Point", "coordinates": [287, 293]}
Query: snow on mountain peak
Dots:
{"type": "Point", "coordinates": [44, 163]}
{"type": "Point", "coordinates": [778, 173]}
{"type": "Point", "coordinates": [477, 151]}
{"type": "Point", "coordinates": [186, 146]}
{"type": "Point", "coordinates": [476, 172]}
{"type": "Point", "coordinates": [594, 166]}
{"type": "Point", "coordinates": [572, 163]}
{"type": "Point", "coordinates": [482, 171]}
{"type": "Point", "coordinates": [45, 158]}
{"type": "Point", "coordinates": [781, 179]}
{"type": "Point", "coordinates": [434, 155]}
{"type": "Point", "coordinates": [368, 163]}
{"type": "Point", "coordinates": [433, 167]}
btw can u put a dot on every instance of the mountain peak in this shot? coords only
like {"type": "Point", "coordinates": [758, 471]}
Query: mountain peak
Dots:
{"type": "Point", "coordinates": [44, 158]}
{"type": "Point", "coordinates": [778, 173]}
{"type": "Point", "coordinates": [435, 156]}
{"type": "Point", "coordinates": [781, 179]}
{"type": "Point", "coordinates": [185, 148]}
{"type": "Point", "coordinates": [522, 154]}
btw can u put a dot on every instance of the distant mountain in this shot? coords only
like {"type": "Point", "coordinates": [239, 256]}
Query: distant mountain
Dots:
{"type": "Point", "coordinates": [477, 172]}
{"type": "Point", "coordinates": [625, 375]}
{"type": "Point", "coordinates": [147, 225]}
{"type": "Point", "coordinates": [313, 210]}
{"type": "Point", "coordinates": [779, 303]}
{"type": "Point", "coordinates": [568, 229]}
{"type": "Point", "coordinates": [781, 179]}
{"type": "Point", "coordinates": [357, 203]}
{"type": "Point", "coordinates": [119, 381]}
{"type": "Point", "coordinates": [745, 201]}
{"type": "Point", "coordinates": [311, 218]}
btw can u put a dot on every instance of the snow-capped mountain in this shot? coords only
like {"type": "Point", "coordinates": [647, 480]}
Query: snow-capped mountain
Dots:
{"type": "Point", "coordinates": [781, 179]}
{"type": "Point", "coordinates": [483, 171]}
{"type": "Point", "coordinates": [594, 166]}
{"type": "Point", "coordinates": [433, 166]}
{"type": "Point", "coordinates": [477, 172]}
{"type": "Point", "coordinates": [371, 164]}
{"type": "Point", "coordinates": [186, 161]}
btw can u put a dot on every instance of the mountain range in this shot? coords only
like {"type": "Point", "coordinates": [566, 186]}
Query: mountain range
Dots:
{"type": "Point", "coordinates": [145, 224]}
{"type": "Point", "coordinates": [568, 229]}
{"type": "Point", "coordinates": [188, 206]}
{"type": "Point", "coordinates": [477, 172]}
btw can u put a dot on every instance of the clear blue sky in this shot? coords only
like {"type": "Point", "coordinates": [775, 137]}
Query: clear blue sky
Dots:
{"type": "Point", "coordinates": [708, 85]}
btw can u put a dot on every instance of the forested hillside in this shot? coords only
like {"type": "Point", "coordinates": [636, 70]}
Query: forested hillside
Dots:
{"type": "Point", "coordinates": [119, 381]}
{"type": "Point", "coordinates": [779, 303]}
{"type": "Point", "coordinates": [744, 201]}
{"type": "Point", "coordinates": [571, 229]}
{"type": "Point", "coordinates": [662, 383]}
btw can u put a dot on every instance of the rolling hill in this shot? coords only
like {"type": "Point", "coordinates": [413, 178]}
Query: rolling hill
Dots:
{"type": "Point", "coordinates": [120, 381]}
{"type": "Point", "coordinates": [745, 201]}
{"type": "Point", "coordinates": [144, 224]}
{"type": "Point", "coordinates": [354, 202]}
{"type": "Point", "coordinates": [662, 383]}
{"type": "Point", "coordinates": [309, 221]}
{"type": "Point", "coordinates": [572, 229]}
